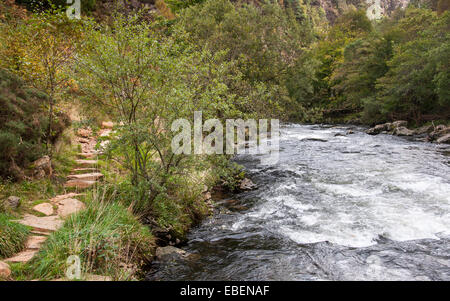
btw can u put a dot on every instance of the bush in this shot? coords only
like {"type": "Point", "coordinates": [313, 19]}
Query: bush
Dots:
{"type": "Point", "coordinates": [106, 236]}
{"type": "Point", "coordinates": [12, 236]}
{"type": "Point", "coordinates": [22, 124]}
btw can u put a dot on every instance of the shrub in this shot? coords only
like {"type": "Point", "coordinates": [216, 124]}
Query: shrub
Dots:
{"type": "Point", "coordinates": [12, 236]}
{"type": "Point", "coordinates": [22, 124]}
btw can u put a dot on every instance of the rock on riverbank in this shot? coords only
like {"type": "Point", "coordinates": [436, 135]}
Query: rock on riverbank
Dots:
{"type": "Point", "coordinates": [438, 134]}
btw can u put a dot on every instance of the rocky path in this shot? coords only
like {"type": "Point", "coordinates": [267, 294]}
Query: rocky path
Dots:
{"type": "Point", "coordinates": [50, 215]}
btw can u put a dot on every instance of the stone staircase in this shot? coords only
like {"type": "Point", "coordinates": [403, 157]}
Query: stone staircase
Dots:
{"type": "Point", "coordinates": [52, 213]}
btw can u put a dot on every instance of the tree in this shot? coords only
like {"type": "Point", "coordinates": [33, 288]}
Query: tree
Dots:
{"type": "Point", "coordinates": [44, 46]}
{"type": "Point", "coordinates": [418, 70]}
{"type": "Point", "coordinates": [145, 81]}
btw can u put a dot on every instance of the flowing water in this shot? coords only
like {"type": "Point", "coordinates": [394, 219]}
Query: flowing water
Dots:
{"type": "Point", "coordinates": [335, 207]}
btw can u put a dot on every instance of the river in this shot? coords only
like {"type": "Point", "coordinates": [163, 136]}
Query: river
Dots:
{"type": "Point", "coordinates": [337, 206]}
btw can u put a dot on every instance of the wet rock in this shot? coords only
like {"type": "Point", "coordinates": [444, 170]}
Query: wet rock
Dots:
{"type": "Point", "coordinates": [439, 131]}
{"type": "Point", "coordinates": [13, 202]}
{"type": "Point", "coordinates": [238, 208]}
{"type": "Point", "coordinates": [440, 127]}
{"type": "Point", "coordinates": [5, 271]}
{"type": "Point", "coordinates": [403, 131]}
{"type": "Point", "coordinates": [423, 130]}
{"type": "Point", "coordinates": [444, 139]}
{"type": "Point", "coordinates": [399, 123]}
{"type": "Point", "coordinates": [315, 139]}
{"type": "Point", "coordinates": [390, 127]}
{"type": "Point", "coordinates": [170, 253]}
{"type": "Point", "coordinates": [206, 196]}
{"type": "Point", "coordinates": [247, 184]}
{"type": "Point", "coordinates": [349, 132]}
{"type": "Point", "coordinates": [42, 167]}
{"type": "Point", "coordinates": [379, 128]}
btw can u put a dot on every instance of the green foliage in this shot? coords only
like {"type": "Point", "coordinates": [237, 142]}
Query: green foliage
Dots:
{"type": "Point", "coordinates": [12, 236]}
{"type": "Point", "coordinates": [395, 70]}
{"type": "Point", "coordinates": [177, 5]}
{"type": "Point", "coordinates": [22, 124]}
{"type": "Point", "coordinates": [265, 41]}
{"type": "Point", "coordinates": [125, 70]}
{"type": "Point", "coordinates": [104, 236]}
{"type": "Point", "coordinates": [39, 49]}
{"type": "Point", "coordinates": [417, 81]}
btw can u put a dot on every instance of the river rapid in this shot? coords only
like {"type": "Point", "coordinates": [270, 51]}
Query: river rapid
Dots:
{"type": "Point", "coordinates": [336, 206]}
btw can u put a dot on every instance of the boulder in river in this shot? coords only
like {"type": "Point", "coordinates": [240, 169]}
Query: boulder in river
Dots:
{"type": "Point", "coordinates": [423, 130]}
{"type": "Point", "coordinates": [439, 131]}
{"type": "Point", "coordinates": [403, 131]}
{"type": "Point", "coordinates": [399, 123]}
{"type": "Point", "coordinates": [397, 128]}
{"type": "Point", "coordinates": [444, 139]}
{"type": "Point", "coordinates": [170, 253]}
{"type": "Point", "coordinates": [247, 184]}
{"type": "Point", "coordinates": [379, 128]}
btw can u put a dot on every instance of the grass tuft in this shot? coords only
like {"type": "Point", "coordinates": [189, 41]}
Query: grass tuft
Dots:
{"type": "Point", "coordinates": [12, 236]}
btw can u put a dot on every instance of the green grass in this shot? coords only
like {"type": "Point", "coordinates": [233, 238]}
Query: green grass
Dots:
{"type": "Point", "coordinates": [12, 236]}
{"type": "Point", "coordinates": [105, 236]}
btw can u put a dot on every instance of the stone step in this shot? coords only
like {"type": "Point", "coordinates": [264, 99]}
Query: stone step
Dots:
{"type": "Point", "coordinates": [5, 270]}
{"type": "Point", "coordinates": [34, 242]}
{"type": "Point", "coordinates": [86, 163]}
{"type": "Point", "coordinates": [84, 170]}
{"type": "Point", "coordinates": [86, 177]}
{"type": "Point", "coordinates": [43, 224]}
{"type": "Point", "coordinates": [41, 233]}
{"type": "Point", "coordinates": [86, 155]}
{"type": "Point", "coordinates": [23, 256]}
{"type": "Point", "coordinates": [105, 133]}
{"type": "Point", "coordinates": [44, 208]}
{"type": "Point", "coordinates": [79, 184]}
{"type": "Point", "coordinates": [65, 196]}
{"type": "Point", "coordinates": [83, 140]}
{"type": "Point", "coordinates": [107, 124]}
{"type": "Point", "coordinates": [67, 207]}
